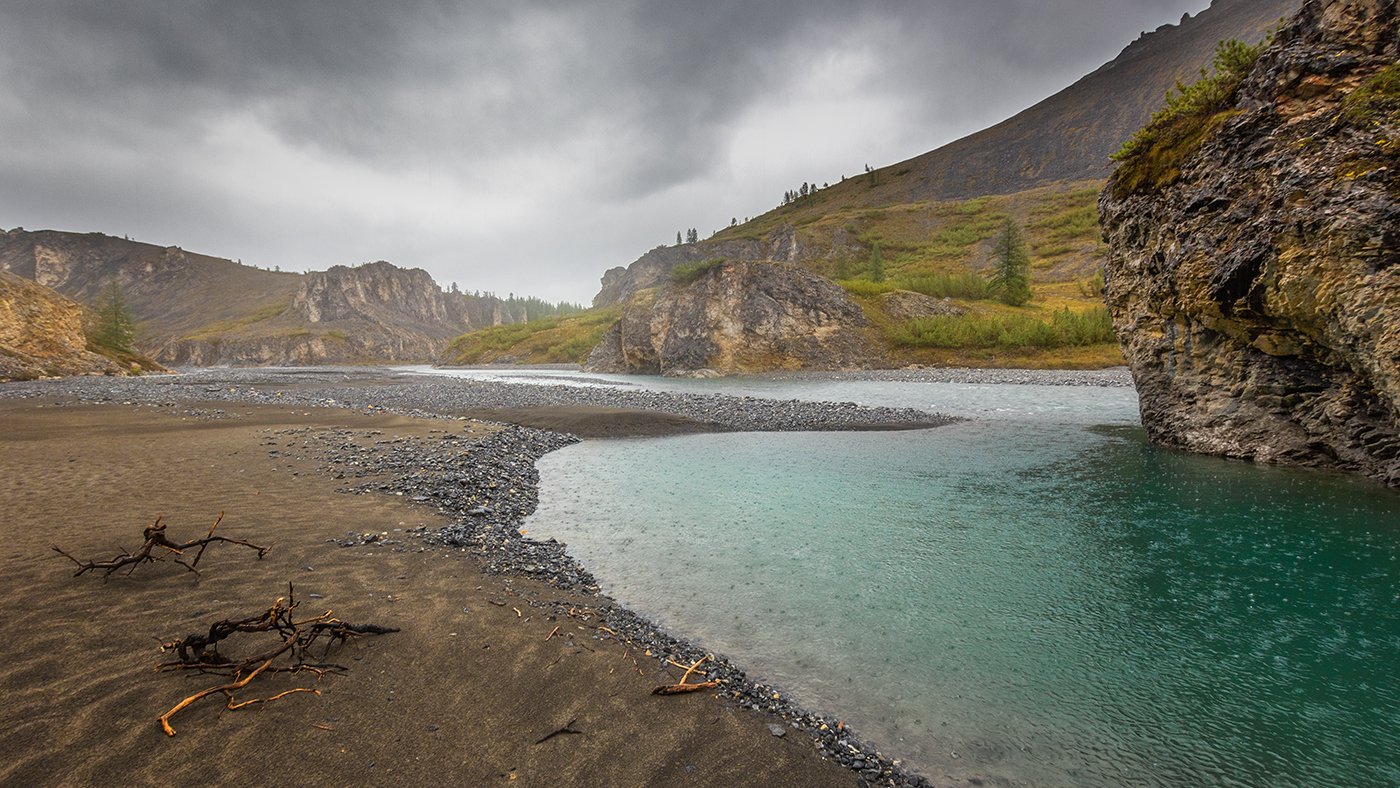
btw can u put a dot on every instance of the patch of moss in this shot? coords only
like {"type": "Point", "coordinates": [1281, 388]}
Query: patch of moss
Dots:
{"type": "Point", "coordinates": [1375, 101]}
{"type": "Point", "coordinates": [685, 273]}
{"type": "Point", "coordinates": [1153, 156]}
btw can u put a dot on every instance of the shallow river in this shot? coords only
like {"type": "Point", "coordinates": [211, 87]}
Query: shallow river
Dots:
{"type": "Point", "coordinates": [1037, 595]}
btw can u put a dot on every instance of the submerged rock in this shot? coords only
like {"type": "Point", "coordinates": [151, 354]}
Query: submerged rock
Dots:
{"type": "Point", "coordinates": [1254, 264]}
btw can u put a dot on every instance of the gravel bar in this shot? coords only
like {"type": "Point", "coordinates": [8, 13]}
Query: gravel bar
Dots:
{"type": "Point", "coordinates": [435, 397]}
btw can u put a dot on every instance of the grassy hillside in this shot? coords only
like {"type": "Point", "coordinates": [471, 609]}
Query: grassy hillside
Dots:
{"type": "Point", "coordinates": [942, 249]}
{"type": "Point", "coordinates": [938, 248]}
{"type": "Point", "coordinates": [554, 340]}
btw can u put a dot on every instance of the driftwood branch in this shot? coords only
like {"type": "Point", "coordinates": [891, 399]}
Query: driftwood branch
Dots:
{"type": "Point", "coordinates": [680, 687]}
{"type": "Point", "coordinates": [156, 546]}
{"type": "Point", "coordinates": [289, 653]}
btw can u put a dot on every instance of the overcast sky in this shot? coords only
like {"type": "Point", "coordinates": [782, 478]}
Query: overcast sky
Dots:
{"type": "Point", "coordinates": [508, 146]}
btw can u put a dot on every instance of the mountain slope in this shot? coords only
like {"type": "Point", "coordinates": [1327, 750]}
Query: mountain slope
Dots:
{"type": "Point", "coordinates": [930, 220]}
{"type": "Point", "coordinates": [1060, 145]}
{"type": "Point", "coordinates": [1070, 135]}
{"type": "Point", "coordinates": [194, 309]}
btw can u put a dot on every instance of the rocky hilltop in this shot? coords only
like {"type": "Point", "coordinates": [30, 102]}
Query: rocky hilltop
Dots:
{"type": "Point", "coordinates": [1254, 265]}
{"type": "Point", "coordinates": [197, 310]}
{"type": "Point", "coordinates": [730, 318]}
{"type": "Point", "coordinates": [42, 334]}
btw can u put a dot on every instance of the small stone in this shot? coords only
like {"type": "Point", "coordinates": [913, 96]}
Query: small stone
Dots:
{"type": "Point", "coordinates": [777, 730]}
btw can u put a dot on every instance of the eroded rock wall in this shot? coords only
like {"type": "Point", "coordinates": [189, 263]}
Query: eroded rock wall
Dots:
{"type": "Point", "coordinates": [733, 318]}
{"type": "Point", "coordinates": [1257, 295]}
{"type": "Point", "coordinates": [41, 334]}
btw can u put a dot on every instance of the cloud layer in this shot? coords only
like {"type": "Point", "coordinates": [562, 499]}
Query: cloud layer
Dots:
{"type": "Point", "coordinates": [508, 146]}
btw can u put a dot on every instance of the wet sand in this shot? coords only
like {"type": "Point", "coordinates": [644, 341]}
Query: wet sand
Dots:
{"type": "Point", "coordinates": [460, 696]}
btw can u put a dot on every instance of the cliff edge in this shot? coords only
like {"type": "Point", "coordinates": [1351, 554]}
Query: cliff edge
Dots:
{"type": "Point", "coordinates": [1254, 252]}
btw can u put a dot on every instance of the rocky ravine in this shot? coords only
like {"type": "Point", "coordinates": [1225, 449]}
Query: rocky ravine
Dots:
{"type": "Point", "coordinates": [734, 318]}
{"type": "Point", "coordinates": [1257, 295]}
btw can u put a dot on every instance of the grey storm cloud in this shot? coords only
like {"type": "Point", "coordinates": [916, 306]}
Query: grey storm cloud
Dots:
{"type": "Point", "coordinates": [515, 145]}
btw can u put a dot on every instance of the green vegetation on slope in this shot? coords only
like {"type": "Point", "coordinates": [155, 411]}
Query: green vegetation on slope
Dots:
{"type": "Point", "coordinates": [1152, 157]}
{"type": "Point", "coordinates": [686, 273]}
{"type": "Point", "coordinates": [554, 340]}
{"type": "Point", "coordinates": [1065, 328]}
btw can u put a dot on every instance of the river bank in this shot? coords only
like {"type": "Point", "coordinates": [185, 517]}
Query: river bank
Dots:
{"type": "Point", "coordinates": [480, 506]}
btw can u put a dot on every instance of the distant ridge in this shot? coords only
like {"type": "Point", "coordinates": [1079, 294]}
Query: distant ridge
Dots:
{"type": "Point", "coordinates": [1070, 135]}
{"type": "Point", "coordinates": [197, 310]}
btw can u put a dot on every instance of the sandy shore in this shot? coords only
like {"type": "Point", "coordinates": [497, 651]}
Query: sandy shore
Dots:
{"type": "Point", "coordinates": [460, 696]}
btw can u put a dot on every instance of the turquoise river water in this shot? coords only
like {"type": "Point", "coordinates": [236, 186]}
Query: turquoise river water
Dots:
{"type": "Point", "coordinates": [1036, 595]}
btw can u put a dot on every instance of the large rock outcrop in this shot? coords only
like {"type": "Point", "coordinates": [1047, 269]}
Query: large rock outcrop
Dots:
{"type": "Point", "coordinates": [1255, 280]}
{"type": "Point", "coordinates": [733, 318]}
{"type": "Point", "coordinates": [42, 334]}
{"type": "Point", "coordinates": [654, 267]}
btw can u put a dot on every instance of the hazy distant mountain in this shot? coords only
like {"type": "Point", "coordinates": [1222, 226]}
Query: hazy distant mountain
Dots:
{"type": "Point", "coordinates": [193, 309]}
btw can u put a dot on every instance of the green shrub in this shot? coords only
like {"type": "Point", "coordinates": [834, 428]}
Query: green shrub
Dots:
{"type": "Point", "coordinates": [940, 285]}
{"type": "Point", "coordinates": [1375, 99]}
{"type": "Point", "coordinates": [1153, 155]}
{"type": "Point", "coordinates": [1064, 329]}
{"type": "Point", "coordinates": [866, 288]}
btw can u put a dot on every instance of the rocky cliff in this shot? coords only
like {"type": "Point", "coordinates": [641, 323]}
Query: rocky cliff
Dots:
{"type": "Point", "coordinates": [1254, 264]}
{"type": "Point", "coordinates": [197, 310]}
{"type": "Point", "coordinates": [374, 312]}
{"type": "Point", "coordinates": [42, 334]}
{"type": "Point", "coordinates": [653, 268]}
{"type": "Point", "coordinates": [733, 318]}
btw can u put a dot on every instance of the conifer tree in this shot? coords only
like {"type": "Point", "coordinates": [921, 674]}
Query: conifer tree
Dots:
{"type": "Point", "coordinates": [877, 263]}
{"type": "Point", "coordinates": [115, 328]}
{"type": "Point", "coordinates": [1011, 272]}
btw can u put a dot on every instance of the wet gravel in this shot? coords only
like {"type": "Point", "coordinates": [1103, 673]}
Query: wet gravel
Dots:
{"type": "Point", "coordinates": [435, 397]}
{"type": "Point", "coordinates": [1111, 377]}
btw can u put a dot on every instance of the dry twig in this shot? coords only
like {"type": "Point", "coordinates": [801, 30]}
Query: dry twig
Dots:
{"type": "Point", "coordinates": [154, 537]}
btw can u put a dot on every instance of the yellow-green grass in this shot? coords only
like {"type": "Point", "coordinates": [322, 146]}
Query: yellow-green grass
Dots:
{"type": "Point", "coordinates": [554, 340]}
{"type": "Point", "coordinates": [925, 238]}
{"type": "Point", "coordinates": [903, 345]}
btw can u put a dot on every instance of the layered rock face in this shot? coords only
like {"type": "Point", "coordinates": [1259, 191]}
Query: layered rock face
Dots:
{"type": "Point", "coordinates": [1257, 292]}
{"type": "Point", "coordinates": [382, 291]}
{"type": "Point", "coordinates": [736, 317]}
{"type": "Point", "coordinates": [653, 268]}
{"type": "Point", "coordinates": [370, 313]}
{"type": "Point", "coordinates": [41, 334]}
{"type": "Point", "coordinates": [196, 310]}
